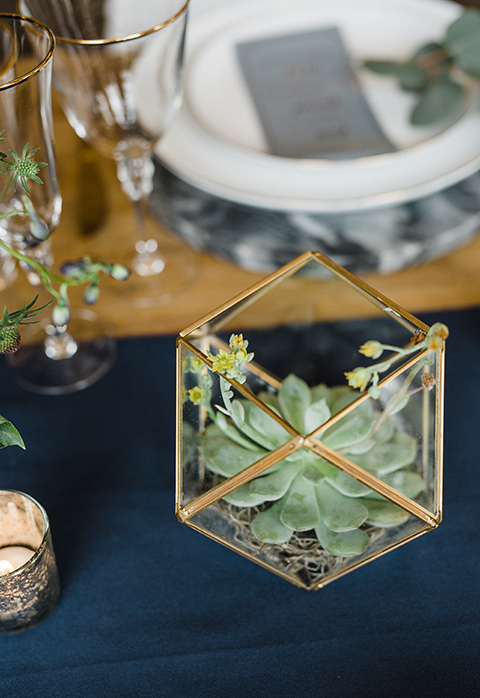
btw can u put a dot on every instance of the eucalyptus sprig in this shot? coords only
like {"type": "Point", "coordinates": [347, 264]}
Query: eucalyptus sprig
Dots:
{"type": "Point", "coordinates": [437, 70]}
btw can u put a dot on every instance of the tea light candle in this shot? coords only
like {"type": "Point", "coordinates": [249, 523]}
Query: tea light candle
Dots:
{"type": "Point", "coordinates": [29, 594]}
{"type": "Point", "coordinates": [13, 557]}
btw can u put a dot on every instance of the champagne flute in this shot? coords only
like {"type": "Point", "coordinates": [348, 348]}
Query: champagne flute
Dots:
{"type": "Point", "coordinates": [117, 69]}
{"type": "Point", "coordinates": [57, 359]}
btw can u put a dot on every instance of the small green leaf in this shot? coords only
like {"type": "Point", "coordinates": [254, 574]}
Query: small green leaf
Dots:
{"type": "Point", "coordinates": [463, 41]}
{"type": "Point", "coordinates": [439, 100]}
{"type": "Point", "coordinates": [294, 397]}
{"type": "Point", "coordinates": [409, 76]}
{"type": "Point", "coordinates": [9, 435]}
{"type": "Point", "coordinates": [300, 508]}
{"type": "Point", "coordinates": [433, 53]}
{"type": "Point", "coordinates": [339, 513]}
{"type": "Point", "coordinates": [382, 67]}
{"type": "Point", "coordinates": [268, 527]}
{"type": "Point", "coordinates": [344, 544]}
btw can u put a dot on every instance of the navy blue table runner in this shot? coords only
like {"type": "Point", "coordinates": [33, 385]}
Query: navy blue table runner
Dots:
{"type": "Point", "coordinates": [149, 608]}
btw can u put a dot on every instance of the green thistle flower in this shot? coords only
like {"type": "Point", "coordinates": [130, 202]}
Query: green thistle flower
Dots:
{"type": "Point", "coordinates": [9, 333]}
{"type": "Point", "coordinates": [23, 167]}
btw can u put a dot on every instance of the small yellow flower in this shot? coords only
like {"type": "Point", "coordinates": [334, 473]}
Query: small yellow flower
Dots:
{"type": "Point", "coordinates": [358, 378]}
{"type": "Point", "coordinates": [196, 395]}
{"type": "Point", "coordinates": [196, 365]}
{"type": "Point", "coordinates": [223, 362]}
{"type": "Point", "coordinates": [236, 340]}
{"type": "Point", "coordinates": [372, 349]}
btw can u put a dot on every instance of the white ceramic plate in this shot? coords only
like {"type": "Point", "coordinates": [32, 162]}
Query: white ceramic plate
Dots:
{"type": "Point", "coordinates": [217, 145]}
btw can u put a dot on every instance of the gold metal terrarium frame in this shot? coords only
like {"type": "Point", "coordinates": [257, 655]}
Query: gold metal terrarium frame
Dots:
{"type": "Point", "coordinates": [198, 508]}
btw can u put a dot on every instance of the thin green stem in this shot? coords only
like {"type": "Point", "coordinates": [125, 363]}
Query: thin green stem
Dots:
{"type": "Point", "coordinates": [47, 276]}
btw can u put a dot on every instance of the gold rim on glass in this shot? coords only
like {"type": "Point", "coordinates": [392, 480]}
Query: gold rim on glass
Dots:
{"type": "Point", "coordinates": [127, 37]}
{"type": "Point", "coordinates": [43, 29]}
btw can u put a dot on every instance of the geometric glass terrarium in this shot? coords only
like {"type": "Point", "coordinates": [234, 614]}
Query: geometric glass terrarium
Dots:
{"type": "Point", "coordinates": [293, 449]}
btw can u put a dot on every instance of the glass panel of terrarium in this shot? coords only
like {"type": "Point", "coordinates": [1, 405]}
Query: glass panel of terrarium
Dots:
{"type": "Point", "coordinates": [230, 432]}
{"type": "Point", "coordinates": [385, 529]}
{"type": "Point", "coordinates": [399, 445]}
{"type": "Point", "coordinates": [326, 296]}
{"type": "Point", "coordinates": [190, 425]}
{"type": "Point", "coordinates": [311, 532]}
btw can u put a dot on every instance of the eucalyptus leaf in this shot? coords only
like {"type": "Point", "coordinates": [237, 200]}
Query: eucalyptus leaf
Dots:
{"type": "Point", "coordinates": [268, 527]}
{"type": "Point", "coordinates": [409, 76]}
{"type": "Point", "coordinates": [439, 100]}
{"type": "Point", "coordinates": [9, 435]}
{"type": "Point", "coordinates": [339, 513]}
{"type": "Point", "coordinates": [435, 53]}
{"type": "Point", "coordinates": [294, 397]}
{"type": "Point", "coordinates": [300, 508]}
{"type": "Point", "coordinates": [462, 39]}
{"type": "Point", "coordinates": [344, 544]}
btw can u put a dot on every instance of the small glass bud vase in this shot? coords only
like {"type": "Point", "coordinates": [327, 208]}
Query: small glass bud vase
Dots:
{"type": "Point", "coordinates": [309, 433]}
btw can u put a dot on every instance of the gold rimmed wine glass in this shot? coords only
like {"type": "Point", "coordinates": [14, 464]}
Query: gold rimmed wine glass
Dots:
{"type": "Point", "coordinates": [117, 70]}
{"type": "Point", "coordinates": [59, 357]}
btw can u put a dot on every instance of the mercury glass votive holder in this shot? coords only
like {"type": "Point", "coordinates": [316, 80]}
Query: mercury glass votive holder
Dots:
{"type": "Point", "coordinates": [29, 583]}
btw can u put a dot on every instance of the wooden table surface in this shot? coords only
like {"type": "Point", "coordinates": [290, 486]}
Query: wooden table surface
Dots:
{"type": "Point", "coordinates": [90, 188]}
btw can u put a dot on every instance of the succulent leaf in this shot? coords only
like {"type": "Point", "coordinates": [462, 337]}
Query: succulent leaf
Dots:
{"type": "Point", "coordinates": [268, 527]}
{"type": "Point", "coordinates": [305, 492]}
{"type": "Point", "coordinates": [385, 514]}
{"type": "Point", "coordinates": [387, 457]}
{"type": "Point", "coordinates": [316, 414]}
{"type": "Point", "coordinates": [294, 397]}
{"type": "Point", "coordinates": [300, 509]}
{"type": "Point", "coordinates": [344, 544]}
{"type": "Point", "coordinates": [274, 485]}
{"type": "Point", "coordinates": [339, 513]}
{"type": "Point", "coordinates": [224, 457]}
{"type": "Point", "coordinates": [350, 430]}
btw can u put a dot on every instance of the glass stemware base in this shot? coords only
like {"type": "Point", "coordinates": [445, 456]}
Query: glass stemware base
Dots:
{"type": "Point", "coordinates": [163, 268]}
{"type": "Point", "coordinates": [56, 361]}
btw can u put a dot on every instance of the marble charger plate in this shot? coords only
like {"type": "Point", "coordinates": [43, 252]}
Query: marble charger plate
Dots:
{"type": "Point", "coordinates": [383, 240]}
